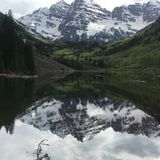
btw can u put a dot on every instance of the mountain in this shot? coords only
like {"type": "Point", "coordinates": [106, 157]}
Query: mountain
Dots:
{"type": "Point", "coordinates": [21, 52]}
{"type": "Point", "coordinates": [16, 55]}
{"type": "Point", "coordinates": [46, 21]}
{"type": "Point", "coordinates": [83, 119]}
{"type": "Point", "coordinates": [86, 20]}
{"type": "Point", "coordinates": [141, 52]}
{"type": "Point", "coordinates": [80, 19]}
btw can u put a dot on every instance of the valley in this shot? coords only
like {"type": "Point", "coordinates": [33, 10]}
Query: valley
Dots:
{"type": "Point", "coordinates": [79, 81]}
{"type": "Point", "coordinates": [134, 49]}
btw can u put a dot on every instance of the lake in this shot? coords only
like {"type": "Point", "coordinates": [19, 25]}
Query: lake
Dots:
{"type": "Point", "coordinates": [81, 117]}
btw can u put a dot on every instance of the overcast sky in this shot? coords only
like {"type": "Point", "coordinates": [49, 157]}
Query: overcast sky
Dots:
{"type": "Point", "coordinates": [23, 7]}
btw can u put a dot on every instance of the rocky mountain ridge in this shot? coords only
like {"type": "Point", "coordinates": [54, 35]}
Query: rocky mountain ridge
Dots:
{"type": "Point", "coordinates": [86, 20]}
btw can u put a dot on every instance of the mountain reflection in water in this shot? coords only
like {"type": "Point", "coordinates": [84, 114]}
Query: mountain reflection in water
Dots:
{"type": "Point", "coordinates": [85, 118]}
{"type": "Point", "coordinates": [95, 117]}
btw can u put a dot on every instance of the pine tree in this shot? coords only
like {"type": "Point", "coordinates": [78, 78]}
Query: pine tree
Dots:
{"type": "Point", "coordinates": [28, 58]}
{"type": "Point", "coordinates": [1, 62]}
{"type": "Point", "coordinates": [16, 55]}
{"type": "Point", "coordinates": [8, 43]}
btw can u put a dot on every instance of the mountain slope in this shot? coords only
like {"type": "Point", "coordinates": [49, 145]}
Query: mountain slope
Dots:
{"type": "Point", "coordinates": [20, 51]}
{"type": "Point", "coordinates": [86, 20]}
{"type": "Point", "coordinates": [16, 55]}
{"type": "Point", "coordinates": [46, 21]}
{"type": "Point", "coordinates": [45, 67]}
{"type": "Point", "coordinates": [140, 52]}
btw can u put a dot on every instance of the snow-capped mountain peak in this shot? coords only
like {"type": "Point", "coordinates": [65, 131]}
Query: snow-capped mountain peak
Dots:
{"type": "Point", "coordinates": [86, 20]}
{"type": "Point", "coordinates": [60, 4]}
{"type": "Point", "coordinates": [46, 21]}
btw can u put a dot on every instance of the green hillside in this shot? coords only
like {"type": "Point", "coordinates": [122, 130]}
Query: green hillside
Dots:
{"type": "Point", "coordinates": [140, 52]}
{"type": "Point", "coordinates": [23, 53]}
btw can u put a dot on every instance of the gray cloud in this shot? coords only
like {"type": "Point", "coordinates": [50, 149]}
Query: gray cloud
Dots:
{"type": "Point", "coordinates": [107, 145]}
{"type": "Point", "coordinates": [137, 145]}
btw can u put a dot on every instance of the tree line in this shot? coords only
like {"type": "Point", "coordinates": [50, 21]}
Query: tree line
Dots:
{"type": "Point", "coordinates": [16, 54]}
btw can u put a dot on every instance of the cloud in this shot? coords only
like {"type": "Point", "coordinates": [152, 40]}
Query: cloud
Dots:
{"type": "Point", "coordinates": [144, 148]}
{"type": "Point", "coordinates": [23, 7]}
{"type": "Point", "coordinates": [107, 145]}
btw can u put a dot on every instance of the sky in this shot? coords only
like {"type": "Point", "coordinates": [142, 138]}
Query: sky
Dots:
{"type": "Point", "coordinates": [23, 7]}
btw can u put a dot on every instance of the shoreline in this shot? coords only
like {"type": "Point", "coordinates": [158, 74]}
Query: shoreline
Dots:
{"type": "Point", "coordinates": [4, 75]}
{"type": "Point", "coordinates": [62, 75]}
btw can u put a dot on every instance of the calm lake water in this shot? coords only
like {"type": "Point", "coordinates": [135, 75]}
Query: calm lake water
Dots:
{"type": "Point", "coordinates": [81, 117]}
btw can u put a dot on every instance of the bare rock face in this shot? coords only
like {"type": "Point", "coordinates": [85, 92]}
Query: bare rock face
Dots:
{"type": "Point", "coordinates": [59, 9]}
{"type": "Point", "coordinates": [85, 20]}
{"type": "Point", "coordinates": [128, 13]}
{"type": "Point", "coordinates": [151, 11]}
{"type": "Point", "coordinates": [80, 15]}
